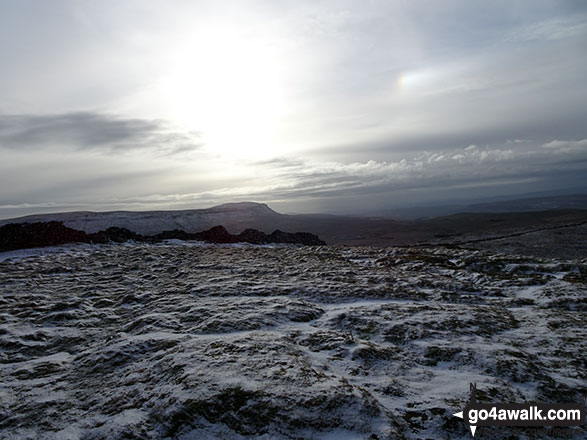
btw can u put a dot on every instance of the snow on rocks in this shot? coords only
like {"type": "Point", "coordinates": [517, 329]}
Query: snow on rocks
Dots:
{"type": "Point", "coordinates": [195, 341]}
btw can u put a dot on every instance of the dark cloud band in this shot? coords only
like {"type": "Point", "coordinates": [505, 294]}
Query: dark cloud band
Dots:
{"type": "Point", "coordinates": [93, 131]}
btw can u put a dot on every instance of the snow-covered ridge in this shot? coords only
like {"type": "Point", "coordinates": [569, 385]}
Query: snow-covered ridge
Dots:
{"type": "Point", "coordinates": [193, 341]}
{"type": "Point", "coordinates": [461, 228]}
{"type": "Point", "coordinates": [232, 215]}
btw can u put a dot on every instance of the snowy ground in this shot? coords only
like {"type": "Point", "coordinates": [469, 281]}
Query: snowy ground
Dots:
{"type": "Point", "coordinates": [194, 341]}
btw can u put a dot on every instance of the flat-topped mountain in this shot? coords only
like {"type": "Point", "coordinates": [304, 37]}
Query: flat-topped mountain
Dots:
{"type": "Point", "coordinates": [338, 229]}
{"type": "Point", "coordinates": [234, 216]}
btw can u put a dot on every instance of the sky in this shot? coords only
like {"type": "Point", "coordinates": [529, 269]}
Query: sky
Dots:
{"type": "Point", "coordinates": [310, 106]}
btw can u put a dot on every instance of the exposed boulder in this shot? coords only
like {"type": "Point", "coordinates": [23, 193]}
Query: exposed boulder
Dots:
{"type": "Point", "coordinates": [305, 238]}
{"type": "Point", "coordinates": [253, 236]}
{"type": "Point", "coordinates": [120, 235]}
{"type": "Point", "coordinates": [217, 234]}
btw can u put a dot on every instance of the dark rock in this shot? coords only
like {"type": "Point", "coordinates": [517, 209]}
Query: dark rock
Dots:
{"type": "Point", "coordinates": [120, 235]}
{"type": "Point", "coordinates": [174, 234]}
{"type": "Point", "coordinates": [253, 236]}
{"type": "Point", "coordinates": [217, 234]}
{"type": "Point", "coordinates": [305, 238]}
{"type": "Point", "coordinates": [98, 238]}
{"type": "Point", "coordinates": [28, 235]}
{"type": "Point", "coordinates": [220, 235]}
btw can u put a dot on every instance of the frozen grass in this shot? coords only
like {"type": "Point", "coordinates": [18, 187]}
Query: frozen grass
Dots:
{"type": "Point", "coordinates": [193, 341]}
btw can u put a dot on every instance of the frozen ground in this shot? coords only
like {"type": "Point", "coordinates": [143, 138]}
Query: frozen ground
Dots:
{"type": "Point", "coordinates": [564, 242]}
{"type": "Point", "coordinates": [193, 341]}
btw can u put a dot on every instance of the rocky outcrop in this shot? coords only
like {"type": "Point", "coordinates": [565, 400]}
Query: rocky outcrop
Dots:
{"type": "Point", "coordinates": [217, 234]}
{"type": "Point", "coordinates": [257, 237]}
{"type": "Point", "coordinates": [27, 235]}
{"type": "Point", "coordinates": [253, 236]}
{"type": "Point", "coordinates": [120, 235]}
{"type": "Point", "coordinates": [177, 234]}
{"type": "Point", "coordinates": [306, 238]}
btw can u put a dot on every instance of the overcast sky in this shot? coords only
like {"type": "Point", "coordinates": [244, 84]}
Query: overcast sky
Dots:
{"type": "Point", "coordinates": [309, 106]}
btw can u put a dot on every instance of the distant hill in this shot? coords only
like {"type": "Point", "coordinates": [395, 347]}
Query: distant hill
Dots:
{"type": "Point", "coordinates": [575, 201]}
{"type": "Point", "coordinates": [334, 229]}
{"type": "Point", "coordinates": [234, 216]}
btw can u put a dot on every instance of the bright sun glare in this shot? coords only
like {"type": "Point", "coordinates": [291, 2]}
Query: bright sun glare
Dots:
{"type": "Point", "coordinates": [226, 86]}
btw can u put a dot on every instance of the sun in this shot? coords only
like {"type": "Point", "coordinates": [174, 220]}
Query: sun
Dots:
{"type": "Point", "coordinates": [226, 85]}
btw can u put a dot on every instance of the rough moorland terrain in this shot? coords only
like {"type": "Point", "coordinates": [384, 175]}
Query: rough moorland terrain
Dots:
{"type": "Point", "coordinates": [195, 341]}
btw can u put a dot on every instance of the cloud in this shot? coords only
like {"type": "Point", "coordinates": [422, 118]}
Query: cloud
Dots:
{"type": "Point", "coordinates": [333, 186]}
{"type": "Point", "coordinates": [550, 29]}
{"type": "Point", "coordinates": [295, 179]}
{"type": "Point", "coordinates": [472, 166]}
{"type": "Point", "coordinates": [370, 98]}
{"type": "Point", "coordinates": [567, 146]}
{"type": "Point", "coordinates": [92, 131]}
